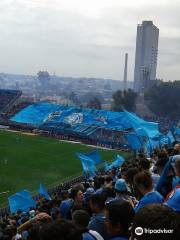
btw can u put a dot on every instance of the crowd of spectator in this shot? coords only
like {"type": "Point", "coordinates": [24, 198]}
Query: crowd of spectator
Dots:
{"type": "Point", "coordinates": [7, 97]}
{"type": "Point", "coordinates": [164, 123]}
{"type": "Point", "coordinates": [123, 203]}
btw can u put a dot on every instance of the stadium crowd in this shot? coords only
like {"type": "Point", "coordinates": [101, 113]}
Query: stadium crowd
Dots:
{"type": "Point", "coordinates": [8, 97]}
{"type": "Point", "coordinates": [125, 203]}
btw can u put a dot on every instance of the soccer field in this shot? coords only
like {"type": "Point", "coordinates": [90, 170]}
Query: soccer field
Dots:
{"type": "Point", "coordinates": [26, 161]}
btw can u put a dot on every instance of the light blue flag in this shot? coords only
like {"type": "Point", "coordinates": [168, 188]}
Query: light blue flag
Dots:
{"type": "Point", "coordinates": [149, 147]}
{"type": "Point", "coordinates": [142, 127]}
{"type": "Point", "coordinates": [42, 191]}
{"type": "Point", "coordinates": [85, 166]}
{"type": "Point", "coordinates": [163, 140]}
{"type": "Point", "coordinates": [21, 201]}
{"type": "Point", "coordinates": [134, 141]}
{"type": "Point", "coordinates": [106, 167]}
{"type": "Point", "coordinates": [177, 131]}
{"type": "Point", "coordinates": [118, 162]}
{"type": "Point", "coordinates": [154, 143]}
{"type": "Point", "coordinates": [165, 171]}
{"type": "Point", "coordinates": [170, 138]}
{"type": "Point", "coordinates": [88, 164]}
{"type": "Point", "coordinates": [163, 176]}
{"type": "Point", "coordinates": [177, 135]}
{"type": "Point", "coordinates": [95, 156]}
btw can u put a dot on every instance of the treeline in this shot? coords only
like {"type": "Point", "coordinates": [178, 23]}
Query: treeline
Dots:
{"type": "Point", "coordinates": [164, 99]}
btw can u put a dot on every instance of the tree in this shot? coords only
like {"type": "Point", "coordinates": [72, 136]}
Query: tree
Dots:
{"type": "Point", "coordinates": [43, 76]}
{"type": "Point", "coordinates": [94, 103]}
{"type": "Point", "coordinates": [44, 79]}
{"type": "Point", "coordinates": [164, 99]}
{"type": "Point", "coordinates": [88, 96]}
{"type": "Point", "coordinates": [124, 99]}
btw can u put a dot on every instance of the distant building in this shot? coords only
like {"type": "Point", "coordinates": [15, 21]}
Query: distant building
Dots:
{"type": "Point", "coordinates": [146, 55]}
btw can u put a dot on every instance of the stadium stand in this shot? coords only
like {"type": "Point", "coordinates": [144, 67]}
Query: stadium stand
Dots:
{"type": "Point", "coordinates": [8, 99]}
{"type": "Point", "coordinates": [116, 130]}
{"type": "Point", "coordinates": [143, 193]}
{"type": "Point", "coordinates": [106, 205]}
{"type": "Point", "coordinates": [106, 128]}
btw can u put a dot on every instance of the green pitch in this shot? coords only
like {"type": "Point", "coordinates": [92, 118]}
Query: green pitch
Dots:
{"type": "Point", "coordinates": [26, 161]}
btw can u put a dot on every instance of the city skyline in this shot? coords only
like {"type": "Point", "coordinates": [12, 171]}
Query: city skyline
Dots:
{"type": "Point", "coordinates": [85, 39]}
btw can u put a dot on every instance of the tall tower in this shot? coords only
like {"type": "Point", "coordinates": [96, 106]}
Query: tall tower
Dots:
{"type": "Point", "coordinates": [146, 55]}
{"type": "Point", "coordinates": [125, 71]}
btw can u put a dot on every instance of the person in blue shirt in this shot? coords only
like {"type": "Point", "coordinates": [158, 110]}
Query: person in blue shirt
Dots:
{"type": "Point", "coordinates": [75, 202]}
{"type": "Point", "coordinates": [144, 183]}
{"type": "Point", "coordinates": [174, 200]}
{"type": "Point", "coordinates": [119, 215]}
{"type": "Point", "coordinates": [97, 222]}
{"type": "Point", "coordinates": [65, 208]}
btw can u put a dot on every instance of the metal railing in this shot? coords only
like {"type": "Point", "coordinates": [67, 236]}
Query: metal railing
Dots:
{"type": "Point", "coordinates": [65, 184]}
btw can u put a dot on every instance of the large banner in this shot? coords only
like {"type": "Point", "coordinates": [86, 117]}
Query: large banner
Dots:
{"type": "Point", "coordinates": [46, 114]}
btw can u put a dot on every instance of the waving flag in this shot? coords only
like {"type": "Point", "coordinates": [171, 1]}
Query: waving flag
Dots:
{"type": "Point", "coordinates": [21, 201]}
{"type": "Point", "coordinates": [106, 167]}
{"type": "Point", "coordinates": [142, 127]}
{"type": "Point", "coordinates": [95, 156]}
{"type": "Point", "coordinates": [165, 171]}
{"type": "Point", "coordinates": [134, 141]}
{"type": "Point", "coordinates": [170, 138]}
{"type": "Point", "coordinates": [118, 162]}
{"type": "Point", "coordinates": [42, 191]}
{"type": "Point", "coordinates": [88, 164]}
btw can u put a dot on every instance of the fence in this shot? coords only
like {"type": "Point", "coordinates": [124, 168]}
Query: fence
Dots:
{"type": "Point", "coordinates": [67, 183]}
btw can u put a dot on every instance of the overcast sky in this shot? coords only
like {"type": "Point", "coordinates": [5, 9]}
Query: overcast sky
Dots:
{"type": "Point", "coordinates": [85, 37]}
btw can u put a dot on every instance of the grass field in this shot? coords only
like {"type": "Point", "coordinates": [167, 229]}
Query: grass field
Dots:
{"type": "Point", "coordinates": [25, 161]}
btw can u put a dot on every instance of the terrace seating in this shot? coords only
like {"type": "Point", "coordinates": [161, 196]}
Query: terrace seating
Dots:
{"type": "Point", "coordinates": [8, 99]}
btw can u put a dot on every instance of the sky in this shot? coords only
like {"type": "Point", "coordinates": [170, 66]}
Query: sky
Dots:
{"type": "Point", "coordinates": [85, 38]}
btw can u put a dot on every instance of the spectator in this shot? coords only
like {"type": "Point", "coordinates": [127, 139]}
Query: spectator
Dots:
{"type": "Point", "coordinates": [119, 215]}
{"type": "Point", "coordinates": [177, 170]}
{"type": "Point", "coordinates": [81, 219]}
{"type": "Point", "coordinates": [72, 204]}
{"type": "Point", "coordinates": [143, 181]}
{"type": "Point", "coordinates": [144, 164]}
{"type": "Point", "coordinates": [167, 185]}
{"type": "Point", "coordinates": [121, 190]}
{"type": "Point", "coordinates": [97, 222]}
{"type": "Point", "coordinates": [173, 200]}
{"type": "Point", "coordinates": [176, 149]}
{"type": "Point", "coordinates": [129, 176]}
{"type": "Point", "coordinates": [60, 230]}
{"type": "Point", "coordinates": [156, 218]}
{"type": "Point", "coordinates": [89, 192]}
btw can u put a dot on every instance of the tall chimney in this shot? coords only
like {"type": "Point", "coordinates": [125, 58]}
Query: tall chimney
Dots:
{"type": "Point", "coordinates": [125, 71]}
